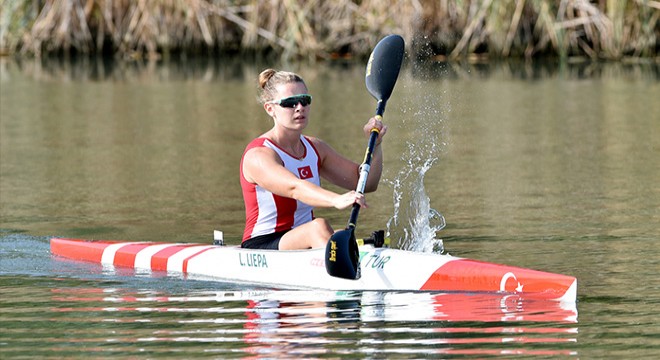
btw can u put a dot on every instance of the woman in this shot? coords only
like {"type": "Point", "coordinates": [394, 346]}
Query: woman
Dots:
{"type": "Point", "coordinates": [281, 171]}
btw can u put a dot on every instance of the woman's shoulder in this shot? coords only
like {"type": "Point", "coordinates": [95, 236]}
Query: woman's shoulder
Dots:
{"type": "Point", "coordinates": [257, 147]}
{"type": "Point", "coordinates": [256, 142]}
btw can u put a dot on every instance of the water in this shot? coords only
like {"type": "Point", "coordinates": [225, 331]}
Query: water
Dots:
{"type": "Point", "coordinates": [551, 168]}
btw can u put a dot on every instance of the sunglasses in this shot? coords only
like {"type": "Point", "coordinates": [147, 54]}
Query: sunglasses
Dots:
{"type": "Point", "coordinates": [292, 101]}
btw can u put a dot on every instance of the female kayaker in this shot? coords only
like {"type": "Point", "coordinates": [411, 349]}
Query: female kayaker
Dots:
{"type": "Point", "coordinates": [281, 170]}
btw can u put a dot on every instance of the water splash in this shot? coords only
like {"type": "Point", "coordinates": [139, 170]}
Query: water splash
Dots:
{"type": "Point", "coordinates": [414, 223]}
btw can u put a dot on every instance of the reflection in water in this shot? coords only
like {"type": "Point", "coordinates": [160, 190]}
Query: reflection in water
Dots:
{"type": "Point", "coordinates": [242, 69]}
{"type": "Point", "coordinates": [303, 323]}
{"type": "Point", "coordinates": [104, 69]}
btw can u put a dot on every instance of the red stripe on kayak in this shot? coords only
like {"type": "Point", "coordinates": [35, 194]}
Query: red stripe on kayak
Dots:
{"type": "Point", "coordinates": [77, 249]}
{"type": "Point", "coordinates": [185, 262]}
{"type": "Point", "coordinates": [125, 256]}
{"type": "Point", "coordinates": [159, 259]}
{"type": "Point", "coordinates": [472, 275]}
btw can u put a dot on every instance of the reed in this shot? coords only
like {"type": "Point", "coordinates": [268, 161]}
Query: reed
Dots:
{"type": "Point", "coordinates": [609, 29]}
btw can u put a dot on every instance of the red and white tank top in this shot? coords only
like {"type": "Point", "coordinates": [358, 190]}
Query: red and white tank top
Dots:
{"type": "Point", "coordinates": [267, 213]}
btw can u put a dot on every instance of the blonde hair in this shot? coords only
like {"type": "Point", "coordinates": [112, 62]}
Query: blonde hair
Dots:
{"type": "Point", "coordinates": [269, 79]}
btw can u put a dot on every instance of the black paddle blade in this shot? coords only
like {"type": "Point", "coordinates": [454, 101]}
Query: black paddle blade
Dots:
{"type": "Point", "coordinates": [342, 257]}
{"type": "Point", "coordinates": [383, 67]}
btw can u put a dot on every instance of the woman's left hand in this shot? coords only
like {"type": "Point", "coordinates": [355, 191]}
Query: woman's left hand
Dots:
{"type": "Point", "coordinates": [375, 123]}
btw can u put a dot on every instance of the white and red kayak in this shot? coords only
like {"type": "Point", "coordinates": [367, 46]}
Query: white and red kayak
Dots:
{"type": "Point", "coordinates": [382, 268]}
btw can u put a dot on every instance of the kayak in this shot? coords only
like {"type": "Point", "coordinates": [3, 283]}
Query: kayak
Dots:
{"type": "Point", "coordinates": [382, 268]}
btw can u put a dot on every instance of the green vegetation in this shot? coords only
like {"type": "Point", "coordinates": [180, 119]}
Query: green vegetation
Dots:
{"type": "Point", "coordinates": [602, 29]}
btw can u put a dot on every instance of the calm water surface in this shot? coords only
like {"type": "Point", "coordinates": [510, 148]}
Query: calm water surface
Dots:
{"type": "Point", "coordinates": [548, 167]}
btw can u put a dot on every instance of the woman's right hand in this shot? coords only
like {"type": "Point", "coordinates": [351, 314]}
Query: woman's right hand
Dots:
{"type": "Point", "coordinates": [348, 199]}
{"type": "Point", "coordinates": [375, 123]}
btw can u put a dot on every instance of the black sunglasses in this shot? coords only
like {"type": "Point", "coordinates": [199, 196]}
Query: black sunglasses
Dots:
{"type": "Point", "coordinates": [292, 101]}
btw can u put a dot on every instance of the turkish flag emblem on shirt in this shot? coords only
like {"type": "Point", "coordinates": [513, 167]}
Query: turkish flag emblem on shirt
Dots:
{"type": "Point", "coordinates": [305, 172]}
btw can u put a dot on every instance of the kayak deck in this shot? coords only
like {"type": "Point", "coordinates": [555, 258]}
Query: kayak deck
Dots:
{"type": "Point", "coordinates": [382, 268]}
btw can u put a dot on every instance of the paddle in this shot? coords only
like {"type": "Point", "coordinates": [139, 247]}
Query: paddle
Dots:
{"type": "Point", "coordinates": [341, 254]}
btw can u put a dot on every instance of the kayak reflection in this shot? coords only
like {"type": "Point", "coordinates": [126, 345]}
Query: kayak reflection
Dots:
{"type": "Point", "coordinates": [304, 323]}
{"type": "Point", "coordinates": [279, 320]}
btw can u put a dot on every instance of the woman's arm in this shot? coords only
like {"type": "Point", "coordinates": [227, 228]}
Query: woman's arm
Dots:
{"type": "Point", "coordinates": [262, 166]}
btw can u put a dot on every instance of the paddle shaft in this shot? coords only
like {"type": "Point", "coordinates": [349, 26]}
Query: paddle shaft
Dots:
{"type": "Point", "coordinates": [366, 165]}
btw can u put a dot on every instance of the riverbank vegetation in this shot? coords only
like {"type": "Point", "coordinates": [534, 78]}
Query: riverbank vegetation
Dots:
{"type": "Point", "coordinates": [457, 29]}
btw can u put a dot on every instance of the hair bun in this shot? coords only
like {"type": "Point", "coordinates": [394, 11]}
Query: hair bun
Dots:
{"type": "Point", "coordinates": [265, 76]}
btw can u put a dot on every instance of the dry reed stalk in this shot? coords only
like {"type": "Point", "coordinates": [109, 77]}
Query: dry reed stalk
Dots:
{"type": "Point", "coordinates": [475, 22]}
{"type": "Point", "coordinates": [297, 26]}
{"type": "Point", "coordinates": [517, 14]}
{"type": "Point", "coordinates": [63, 24]}
{"type": "Point", "coordinates": [643, 35]}
{"type": "Point", "coordinates": [334, 24]}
